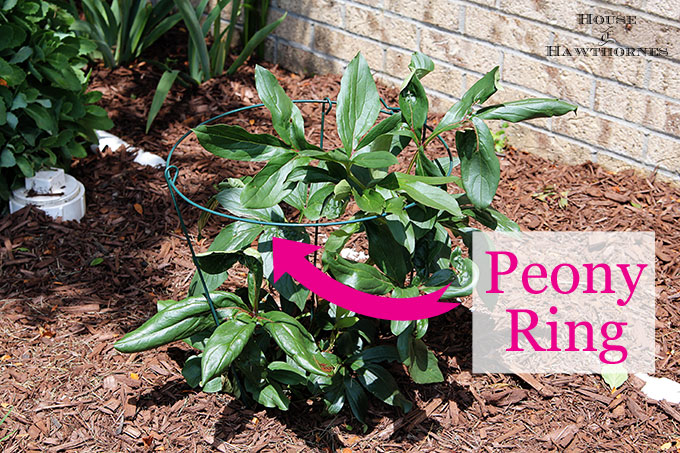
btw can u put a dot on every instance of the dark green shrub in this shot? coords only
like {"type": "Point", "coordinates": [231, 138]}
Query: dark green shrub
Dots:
{"type": "Point", "coordinates": [46, 115]}
{"type": "Point", "coordinates": [271, 350]}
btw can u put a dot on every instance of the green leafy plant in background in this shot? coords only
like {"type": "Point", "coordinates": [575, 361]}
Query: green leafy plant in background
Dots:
{"type": "Point", "coordinates": [206, 61]}
{"type": "Point", "coordinates": [46, 114]}
{"type": "Point", "coordinates": [500, 139]}
{"type": "Point", "coordinates": [270, 349]}
{"type": "Point", "coordinates": [124, 28]}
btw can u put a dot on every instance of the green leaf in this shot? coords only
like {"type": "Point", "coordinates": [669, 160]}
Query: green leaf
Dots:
{"type": "Point", "coordinates": [286, 373]}
{"type": "Point", "coordinates": [360, 276]}
{"type": "Point", "coordinates": [272, 396]}
{"type": "Point", "coordinates": [216, 262]}
{"type": "Point", "coordinates": [383, 127]}
{"type": "Point", "coordinates": [192, 371]}
{"type": "Point", "coordinates": [477, 94]}
{"type": "Point", "coordinates": [414, 105]}
{"type": "Point", "coordinates": [97, 261]}
{"type": "Point", "coordinates": [431, 180]}
{"type": "Point", "coordinates": [287, 288]}
{"type": "Point", "coordinates": [356, 397]}
{"type": "Point", "coordinates": [25, 166]}
{"type": "Point", "coordinates": [382, 385]}
{"type": "Point", "coordinates": [43, 119]}
{"type": "Point", "coordinates": [526, 109]}
{"type": "Point", "coordinates": [225, 344]}
{"type": "Point", "coordinates": [370, 201]}
{"type": "Point", "coordinates": [235, 143]}
{"type": "Point", "coordinates": [295, 341]}
{"type": "Point", "coordinates": [358, 103]}
{"type": "Point", "coordinates": [375, 159]}
{"type": "Point", "coordinates": [235, 236]}
{"type": "Point", "coordinates": [286, 117]}
{"type": "Point", "coordinates": [269, 186]}
{"type": "Point", "coordinates": [230, 199]}
{"type": "Point", "coordinates": [7, 158]}
{"type": "Point", "coordinates": [614, 375]}
{"type": "Point", "coordinates": [389, 255]}
{"type": "Point", "coordinates": [214, 385]}
{"type": "Point", "coordinates": [420, 65]}
{"type": "Point", "coordinates": [162, 90]}
{"type": "Point", "coordinates": [493, 219]}
{"type": "Point", "coordinates": [431, 196]}
{"type": "Point", "coordinates": [200, 49]}
{"type": "Point", "coordinates": [479, 166]}
{"type": "Point", "coordinates": [422, 363]}
{"type": "Point", "coordinates": [376, 354]}
{"type": "Point", "coordinates": [177, 321]}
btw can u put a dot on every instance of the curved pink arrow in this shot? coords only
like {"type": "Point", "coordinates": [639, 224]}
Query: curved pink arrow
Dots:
{"type": "Point", "coordinates": [289, 257]}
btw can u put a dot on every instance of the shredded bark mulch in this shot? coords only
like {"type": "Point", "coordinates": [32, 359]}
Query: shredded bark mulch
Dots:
{"type": "Point", "coordinates": [69, 290]}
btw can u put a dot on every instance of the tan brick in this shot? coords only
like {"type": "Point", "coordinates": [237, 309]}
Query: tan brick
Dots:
{"type": "Point", "coordinates": [637, 4]}
{"type": "Point", "coordinates": [619, 101]}
{"type": "Point", "coordinates": [304, 62]}
{"type": "Point", "coordinates": [555, 12]}
{"type": "Point", "coordinates": [662, 115]}
{"type": "Point", "coordinates": [501, 29]}
{"type": "Point", "coordinates": [442, 13]}
{"type": "Point", "coordinates": [599, 131]}
{"type": "Point", "coordinates": [445, 79]}
{"type": "Point", "coordinates": [544, 144]}
{"type": "Point", "coordinates": [630, 70]}
{"type": "Point", "coordinates": [381, 27]}
{"type": "Point", "coordinates": [326, 11]}
{"type": "Point", "coordinates": [551, 81]}
{"type": "Point", "coordinates": [666, 8]}
{"type": "Point", "coordinates": [615, 164]}
{"type": "Point", "coordinates": [665, 78]}
{"type": "Point", "coordinates": [458, 50]}
{"type": "Point", "coordinates": [396, 62]}
{"type": "Point", "coordinates": [664, 152]}
{"type": "Point", "coordinates": [345, 46]}
{"type": "Point", "coordinates": [292, 28]}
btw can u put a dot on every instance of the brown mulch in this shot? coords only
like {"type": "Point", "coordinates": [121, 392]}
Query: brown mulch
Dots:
{"type": "Point", "coordinates": [69, 390]}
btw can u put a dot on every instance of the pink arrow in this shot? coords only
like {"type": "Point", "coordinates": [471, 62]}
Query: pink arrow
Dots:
{"type": "Point", "coordinates": [289, 257]}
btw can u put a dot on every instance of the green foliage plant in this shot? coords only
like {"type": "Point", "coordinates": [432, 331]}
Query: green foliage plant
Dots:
{"type": "Point", "coordinates": [46, 113]}
{"type": "Point", "coordinates": [206, 61]}
{"type": "Point", "coordinates": [122, 29]}
{"type": "Point", "coordinates": [274, 342]}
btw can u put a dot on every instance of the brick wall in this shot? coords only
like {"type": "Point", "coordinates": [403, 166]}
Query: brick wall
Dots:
{"type": "Point", "coordinates": [629, 105]}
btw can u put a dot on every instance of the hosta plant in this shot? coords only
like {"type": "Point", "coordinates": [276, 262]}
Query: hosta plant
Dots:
{"type": "Point", "coordinates": [275, 341]}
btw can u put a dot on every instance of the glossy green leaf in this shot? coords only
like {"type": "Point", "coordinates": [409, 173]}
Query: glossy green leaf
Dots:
{"type": "Point", "coordinates": [216, 262]}
{"type": "Point", "coordinates": [286, 373]}
{"type": "Point", "coordinates": [526, 109]}
{"type": "Point", "coordinates": [230, 199]}
{"type": "Point", "coordinates": [358, 103]}
{"type": "Point", "coordinates": [414, 105]}
{"type": "Point", "coordinates": [390, 256]}
{"type": "Point", "coordinates": [269, 186]}
{"type": "Point", "coordinates": [225, 345]}
{"type": "Point", "coordinates": [286, 117]}
{"type": "Point", "coordinates": [383, 127]}
{"type": "Point", "coordinates": [192, 371]}
{"type": "Point", "coordinates": [272, 396]}
{"type": "Point", "coordinates": [479, 166]}
{"type": "Point", "coordinates": [382, 385]}
{"type": "Point", "coordinates": [477, 94]}
{"type": "Point", "coordinates": [431, 196]}
{"type": "Point", "coordinates": [360, 276]}
{"type": "Point", "coordinates": [295, 341]}
{"type": "Point", "coordinates": [235, 143]}
{"type": "Point", "coordinates": [178, 321]}
{"type": "Point", "coordinates": [43, 119]}
{"type": "Point", "coordinates": [370, 201]}
{"type": "Point", "coordinates": [375, 159]}
{"type": "Point", "coordinates": [422, 363]}
{"type": "Point", "coordinates": [355, 395]}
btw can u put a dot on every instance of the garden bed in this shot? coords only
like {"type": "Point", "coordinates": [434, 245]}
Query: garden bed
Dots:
{"type": "Point", "coordinates": [68, 290]}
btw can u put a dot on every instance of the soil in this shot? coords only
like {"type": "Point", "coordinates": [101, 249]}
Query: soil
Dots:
{"type": "Point", "coordinates": [69, 290]}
